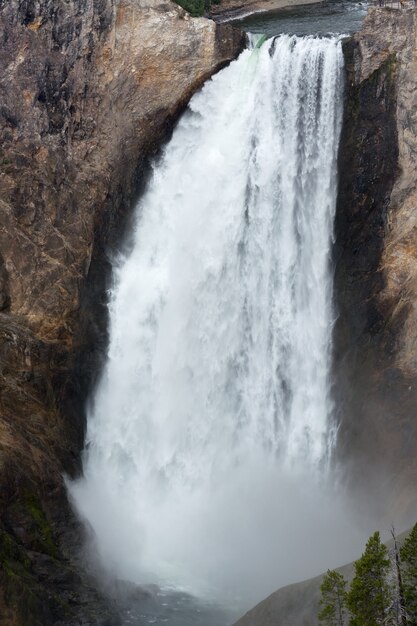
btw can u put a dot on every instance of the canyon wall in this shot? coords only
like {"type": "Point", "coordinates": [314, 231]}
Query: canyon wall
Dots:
{"type": "Point", "coordinates": [88, 91]}
{"type": "Point", "coordinates": [376, 263]}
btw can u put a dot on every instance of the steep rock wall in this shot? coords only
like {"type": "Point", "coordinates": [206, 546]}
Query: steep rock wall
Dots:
{"type": "Point", "coordinates": [88, 90]}
{"type": "Point", "coordinates": [376, 262]}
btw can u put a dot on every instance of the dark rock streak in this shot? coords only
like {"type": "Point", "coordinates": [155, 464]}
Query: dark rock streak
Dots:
{"type": "Point", "coordinates": [375, 256]}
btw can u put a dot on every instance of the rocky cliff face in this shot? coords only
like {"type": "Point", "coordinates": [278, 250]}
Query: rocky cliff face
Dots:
{"type": "Point", "coordinates": [88, 90]}
{"type": "Point", "coordinates": [376, 260]}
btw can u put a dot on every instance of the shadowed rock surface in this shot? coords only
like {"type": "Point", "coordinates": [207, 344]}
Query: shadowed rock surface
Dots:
{"type": "Point", "coordinates": [88, 90]}
{"type": "Point", "coordinates": [376, 263]}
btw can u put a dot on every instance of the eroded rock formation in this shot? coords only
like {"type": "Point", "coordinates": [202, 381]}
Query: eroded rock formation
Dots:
{"type": "Point", "coordinates": [88, 90]}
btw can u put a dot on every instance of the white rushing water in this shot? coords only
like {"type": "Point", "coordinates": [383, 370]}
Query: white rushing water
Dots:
{"type": "Point", "coordinates": [212, 426]}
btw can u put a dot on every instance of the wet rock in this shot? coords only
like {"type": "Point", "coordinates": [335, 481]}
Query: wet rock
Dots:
{"type": "Point", "coordinates": [376, 262]}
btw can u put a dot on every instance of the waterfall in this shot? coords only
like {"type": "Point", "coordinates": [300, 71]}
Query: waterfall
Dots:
{"type": "Point", "coordinates": [212, 425]}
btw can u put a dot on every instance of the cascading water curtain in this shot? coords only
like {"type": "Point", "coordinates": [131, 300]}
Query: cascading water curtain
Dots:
{"type": "Point", "coordinates": [213, 414]}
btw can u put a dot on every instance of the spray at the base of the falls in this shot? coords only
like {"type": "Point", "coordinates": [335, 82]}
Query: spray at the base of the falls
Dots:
{"type": "Point", "coordinates": [212, 426]}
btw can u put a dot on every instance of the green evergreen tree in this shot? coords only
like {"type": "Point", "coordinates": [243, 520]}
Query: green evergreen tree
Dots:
{"type": "Point", "coordinates": [408, 556]}
{"type": "Point", "coordinates": [370, 595]}
{"type": "Point", "coordinates": [333, 600]}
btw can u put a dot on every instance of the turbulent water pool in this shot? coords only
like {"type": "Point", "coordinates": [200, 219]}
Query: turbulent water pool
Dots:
{"type": "Point", "coordinates": [170, 608]}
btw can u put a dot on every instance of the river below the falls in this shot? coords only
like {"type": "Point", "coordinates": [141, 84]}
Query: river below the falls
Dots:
{"type": "Point", "coordinates": [174, 608]}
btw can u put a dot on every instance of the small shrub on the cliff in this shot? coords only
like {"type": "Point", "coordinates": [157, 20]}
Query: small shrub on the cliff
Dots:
{"type": "Point", "coordinates": [333, 600]}
{"type": "Point", "coordinates": [196, 8]}
{"type": "Point", "coordinates": [370, 595]}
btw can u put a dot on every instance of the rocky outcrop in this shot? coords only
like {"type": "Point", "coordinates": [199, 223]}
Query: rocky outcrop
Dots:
{"type": "Point", "coordinates": [376, 260]}
{"type": "Point", "coordinates": [88, 90]}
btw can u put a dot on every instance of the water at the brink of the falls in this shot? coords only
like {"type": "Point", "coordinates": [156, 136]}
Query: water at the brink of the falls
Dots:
{"type": "Point", "coordinates": [210, 434]}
